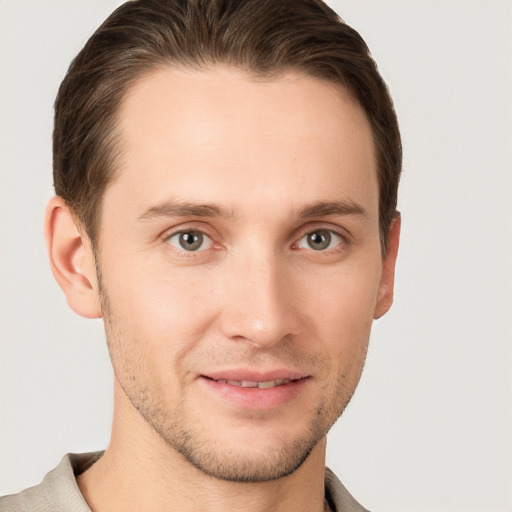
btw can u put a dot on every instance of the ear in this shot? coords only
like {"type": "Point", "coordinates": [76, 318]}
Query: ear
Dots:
{"type": "Point", "coordinates": [387, 280]}
{"type": "Point", "coordinates": [71, 259]}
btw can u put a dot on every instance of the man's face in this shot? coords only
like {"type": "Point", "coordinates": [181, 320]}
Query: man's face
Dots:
{"type": "Point", "coordinates": [240, 264]}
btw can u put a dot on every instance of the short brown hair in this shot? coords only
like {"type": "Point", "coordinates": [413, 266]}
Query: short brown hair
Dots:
{"type": "Point", "coordinates": [264, 37]}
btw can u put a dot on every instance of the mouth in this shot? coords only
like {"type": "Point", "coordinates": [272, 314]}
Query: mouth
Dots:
{"type": "Point", "coordinates": [266, 384]}
{"type": "Point", "coordinates": [250, 390]}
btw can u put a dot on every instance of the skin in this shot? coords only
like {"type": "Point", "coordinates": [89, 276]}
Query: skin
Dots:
{"type": "Point", "coordinates": [258, 169]}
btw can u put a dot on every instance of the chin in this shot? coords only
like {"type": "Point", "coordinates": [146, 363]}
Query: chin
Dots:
{"type": "Point", "coordinates": [244, 457]}
{"type": "Point", "coordinates": [234, 465]}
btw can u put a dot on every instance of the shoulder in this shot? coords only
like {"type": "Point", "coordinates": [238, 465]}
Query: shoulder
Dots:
{"type": "Point", "coordinates": [58, 492]}
{"type": "Point", "coordinates": [338, 496]}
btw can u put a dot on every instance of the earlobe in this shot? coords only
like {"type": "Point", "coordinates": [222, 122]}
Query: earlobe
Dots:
{"type": "Point", "coordinates": [71, 259]}
{"type": "Point", "coordinates": [387, 281]}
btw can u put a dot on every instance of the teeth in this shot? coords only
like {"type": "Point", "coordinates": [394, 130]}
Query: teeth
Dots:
{"type": "Point", "coordinates": [249, 384]}
{"type": "Point", "coordinates": [272, 383]}
{"type": "Point", "coordinates": [253, 384]}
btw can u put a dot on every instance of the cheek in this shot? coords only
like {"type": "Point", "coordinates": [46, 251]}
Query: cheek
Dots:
{"type": "Point", "coordinates": [153, 325]}
{"type": "Point", "coordinates": [165, 310]}
{"type": "Point", "coordinates": [347, 296]}
{"type": "Point", "coordinates": [343, 311]}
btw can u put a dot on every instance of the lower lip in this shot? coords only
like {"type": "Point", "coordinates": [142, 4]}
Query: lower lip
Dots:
{"type": "Point", "coordinates": [255, 398]}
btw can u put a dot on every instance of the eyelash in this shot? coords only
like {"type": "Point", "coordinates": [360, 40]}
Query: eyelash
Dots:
{"type": "Point", "coordinates": [326, 233]}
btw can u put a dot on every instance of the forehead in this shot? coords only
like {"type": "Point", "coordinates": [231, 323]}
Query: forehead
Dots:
{"type": "Point", "coordinates": [193, 132]}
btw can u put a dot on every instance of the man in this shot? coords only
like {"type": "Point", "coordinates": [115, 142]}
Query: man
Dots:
{"type": "Point", "coordinates": [226, 176]}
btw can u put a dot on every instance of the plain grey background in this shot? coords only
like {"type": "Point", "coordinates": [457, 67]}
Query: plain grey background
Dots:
{"type": "Point", "coordinates": [430, 427]}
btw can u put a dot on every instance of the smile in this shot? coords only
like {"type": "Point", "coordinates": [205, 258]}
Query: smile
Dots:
{"type": "Point", "coordinates": [247, 390]}
{"type": "Point", "coordinates": [268, 384]}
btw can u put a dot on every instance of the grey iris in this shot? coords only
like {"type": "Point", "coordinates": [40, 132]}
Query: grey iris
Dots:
{"type": "Point", "coordinates": [191, 240]}
{"type": "Point", "coordinates": [319, 240]}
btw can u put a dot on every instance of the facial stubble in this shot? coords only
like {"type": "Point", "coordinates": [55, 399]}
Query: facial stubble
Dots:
{"type": "Point", "coordinates": [132, 370]}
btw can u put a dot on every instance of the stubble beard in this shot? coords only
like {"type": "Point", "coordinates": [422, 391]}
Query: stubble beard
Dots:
{"type": "Point", "coordinates": [228, 464]}
{"type": "Point", "coordinates": [231, 463]}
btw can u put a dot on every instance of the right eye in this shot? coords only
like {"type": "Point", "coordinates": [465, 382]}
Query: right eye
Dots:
{"type": "Point", "coordinates": [190, 240]}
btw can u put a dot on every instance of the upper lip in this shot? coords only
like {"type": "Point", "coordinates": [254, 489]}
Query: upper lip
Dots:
{"type": "Point", "coordinates": [255, 376]}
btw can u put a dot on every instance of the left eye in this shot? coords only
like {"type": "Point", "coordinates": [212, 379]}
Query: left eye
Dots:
{"type": "Point", "coordinates": [191, 241]}
{"type": "Point", "coordinates": [320, 240]}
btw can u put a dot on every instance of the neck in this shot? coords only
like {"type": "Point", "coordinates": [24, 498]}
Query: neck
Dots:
{"type": "Point", "coordinates": [139, 471]}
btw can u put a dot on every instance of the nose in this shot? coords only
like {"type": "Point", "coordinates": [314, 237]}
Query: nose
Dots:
{"type": "Point", "coordinates": [259, 301]}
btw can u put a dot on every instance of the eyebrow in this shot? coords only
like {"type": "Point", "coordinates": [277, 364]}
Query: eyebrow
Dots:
{"type": "Point", "coordinates": [324, 208]}
{"type": "Point", "coordinates": [184, 209]}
